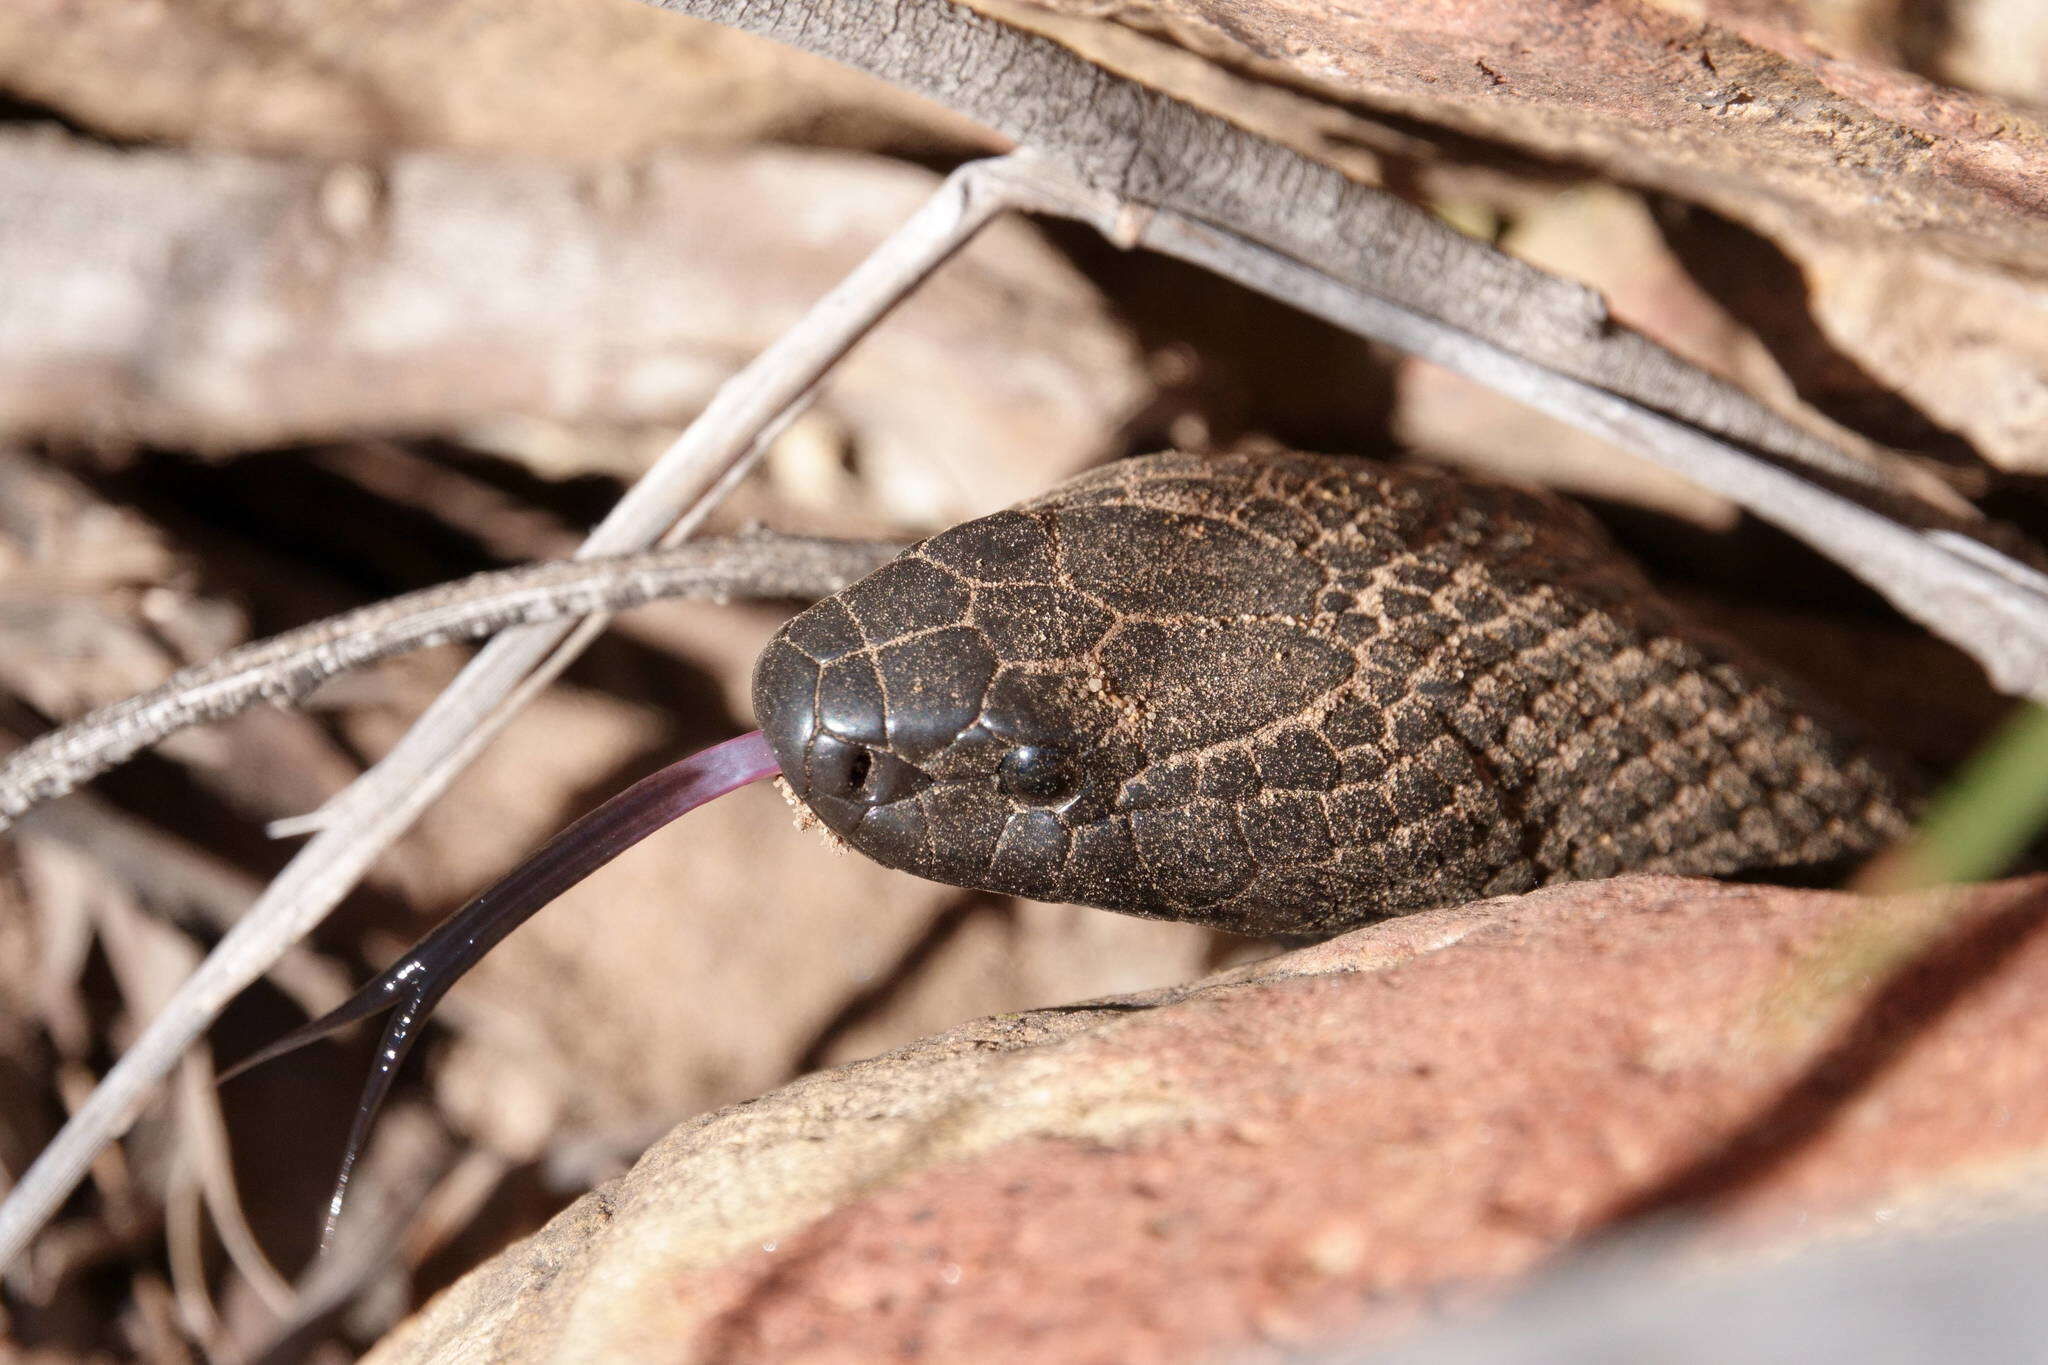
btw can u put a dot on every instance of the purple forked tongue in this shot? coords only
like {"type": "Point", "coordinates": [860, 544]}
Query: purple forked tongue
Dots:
{"type": "Point", "coordinates": [413, 984]}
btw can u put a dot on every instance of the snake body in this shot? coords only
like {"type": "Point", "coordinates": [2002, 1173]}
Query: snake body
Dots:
{"type": "Point", "coordinates": [1287, 694]}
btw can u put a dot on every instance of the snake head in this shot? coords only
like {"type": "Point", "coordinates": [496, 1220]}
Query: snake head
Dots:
{"type": "Point", "coordinates": [939, 716]}
{"type": "Point", "coordinates": [1018, 703]}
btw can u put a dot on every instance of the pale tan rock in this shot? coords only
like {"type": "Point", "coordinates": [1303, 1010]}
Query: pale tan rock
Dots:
{"type": "Point", "coordinates": [1337, 1142]}
{"type": "Point", "coordinates": [1965, 344]}
{"type": "Point", "coordinates": [1732, 109]}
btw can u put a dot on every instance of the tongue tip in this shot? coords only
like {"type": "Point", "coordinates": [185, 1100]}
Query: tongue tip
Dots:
{"type": "Point", "coordinates": [438, 960]}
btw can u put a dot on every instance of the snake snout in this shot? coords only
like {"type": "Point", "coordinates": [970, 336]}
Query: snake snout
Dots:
{"type": "Point", "coordinates": [830, 754]}
{"type": "Point", "coordinates": [786, 706]}
{"type": "Point", "coordinates": [846, 770]}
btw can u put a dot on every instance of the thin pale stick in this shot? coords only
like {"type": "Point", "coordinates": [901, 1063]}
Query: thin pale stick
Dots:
{"type": "Point", "coordinates": [184, 1250]}
{"type": "Point", "coordinates": [148, 957]}
{"type": "Point", "coordinates": [174, 879]}
{"type": "Point", "coordinates": [440, 771]}
{"type": "Point", "coordinates": [205, 1133]}
{"type": "Point", "coordinates": [381, 804]}
{"type": "Point", "coordinates": [286, 668]}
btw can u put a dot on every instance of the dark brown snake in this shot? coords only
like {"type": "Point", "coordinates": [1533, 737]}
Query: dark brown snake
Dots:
{"type": "Point", "coordinates": [1287, 694]}
{"type": "Point", "coordinates": [1280, 694]}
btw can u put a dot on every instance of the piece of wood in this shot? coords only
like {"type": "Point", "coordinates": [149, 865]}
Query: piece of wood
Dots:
{"type": "Point", "coordinates": [1150, 149]}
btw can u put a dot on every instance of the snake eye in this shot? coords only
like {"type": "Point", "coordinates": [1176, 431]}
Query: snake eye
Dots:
{"type": "Point", "coordinates": [854, 772]}
{"type": "Point", "coordinates": [1039, 775]}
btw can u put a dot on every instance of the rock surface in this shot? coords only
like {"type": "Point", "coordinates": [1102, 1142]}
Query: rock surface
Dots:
{"type": "Point", "coordinates": [1335, 1143]}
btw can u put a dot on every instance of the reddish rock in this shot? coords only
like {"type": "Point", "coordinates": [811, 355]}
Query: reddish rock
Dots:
{"type": "Point", "coordinates": [1338, 1142]}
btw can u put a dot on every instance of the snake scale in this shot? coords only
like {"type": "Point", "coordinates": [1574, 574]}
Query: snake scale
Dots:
{"type": "Point", "coordinates": [1287, 694]}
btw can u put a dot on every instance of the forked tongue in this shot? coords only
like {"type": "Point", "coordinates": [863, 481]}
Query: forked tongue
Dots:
{"type": "Point", "coordinates": [413, 984]}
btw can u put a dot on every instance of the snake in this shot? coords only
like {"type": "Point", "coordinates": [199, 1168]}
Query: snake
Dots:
{"type": "Point", "coordinates": [1275, 693]}
{"type": "Point", "coordinates": [1289, 694]}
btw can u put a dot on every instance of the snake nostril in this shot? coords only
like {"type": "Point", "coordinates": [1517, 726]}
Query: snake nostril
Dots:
{"type": "Point", "coordinates": [847, 771]}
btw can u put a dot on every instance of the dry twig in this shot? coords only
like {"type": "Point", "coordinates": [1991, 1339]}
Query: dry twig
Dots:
{"type": "Point", "coordinates": [286, 668]}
